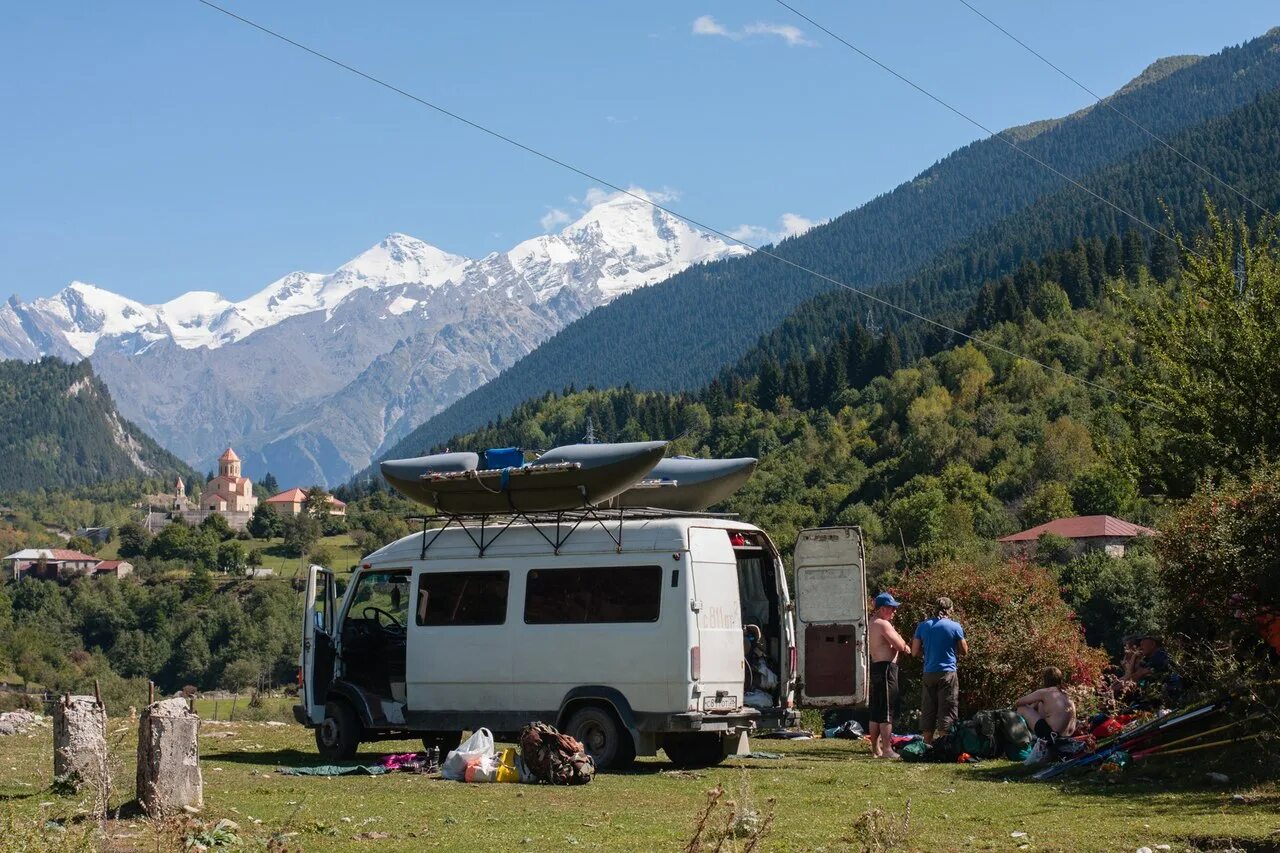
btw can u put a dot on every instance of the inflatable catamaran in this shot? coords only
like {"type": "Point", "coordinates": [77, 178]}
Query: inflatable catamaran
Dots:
{"type": "Point", "coordinates": [575, 476]}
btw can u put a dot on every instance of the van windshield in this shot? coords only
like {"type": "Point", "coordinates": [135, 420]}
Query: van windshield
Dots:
{"type": "Point", "coordinates": [383, 591]}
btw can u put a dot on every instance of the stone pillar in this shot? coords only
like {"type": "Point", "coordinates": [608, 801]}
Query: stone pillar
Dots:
{"type": "Point", "coordinates": [169, 758]}
{"type": "Point", "coordinates": [80, 747]}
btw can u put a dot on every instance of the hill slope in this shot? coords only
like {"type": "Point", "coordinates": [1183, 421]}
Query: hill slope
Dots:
{"type": "Point", "coordinates": [680, 333]}
{"type": "Point", "coordinates": [60, 428]}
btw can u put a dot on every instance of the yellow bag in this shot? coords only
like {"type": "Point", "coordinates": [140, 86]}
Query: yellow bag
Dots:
{"type": "Point", "coordinates": [507, 771]}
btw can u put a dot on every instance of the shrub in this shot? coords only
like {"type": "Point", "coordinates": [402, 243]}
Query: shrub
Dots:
{"type": "Point", "coordinates": [1014, 619]}
{"type": "Point", "coordinates": [1221, 568]}
{"type": "Point", "coordinates": [1114, 598]}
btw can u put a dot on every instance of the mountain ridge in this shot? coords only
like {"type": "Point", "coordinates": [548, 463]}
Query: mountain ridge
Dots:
{"type": "Point", "coordinates": [278, 374]}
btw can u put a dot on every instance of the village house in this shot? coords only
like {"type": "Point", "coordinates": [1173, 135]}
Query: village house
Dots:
{"type": "Point", "coordinates": [1086, 532]}
{"type": "Point", "coordinates": [60, 564]}
{"type": "Point", "coordinates": [294, 502]}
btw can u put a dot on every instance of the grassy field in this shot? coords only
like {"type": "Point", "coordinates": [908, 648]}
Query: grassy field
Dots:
{"type": "Point", "coordinates": [817, 791]}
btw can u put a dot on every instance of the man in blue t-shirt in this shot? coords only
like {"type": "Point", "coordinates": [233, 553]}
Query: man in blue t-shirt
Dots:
{"type": "Point", "coordinates": [938, 641]}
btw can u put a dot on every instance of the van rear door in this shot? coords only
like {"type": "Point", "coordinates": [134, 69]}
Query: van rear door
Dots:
{"type": "Point", "coordinates": [716, 659]}
{"type": "Point", "coordinates": [831, 612]}
{"type": "Point", "coordinates": [318, 646]}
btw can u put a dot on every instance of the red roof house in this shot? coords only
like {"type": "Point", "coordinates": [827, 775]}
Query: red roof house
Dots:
{"type": "Point", "coordinates": [293, 501]}
{"type": "Point", "coordinates": [1088, 532]}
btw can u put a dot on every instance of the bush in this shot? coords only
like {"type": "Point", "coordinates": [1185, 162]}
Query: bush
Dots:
{"type": "Point", "coordinates": [1220, 561]}
{"type": "Point", "coordinates": [1015, 621]}
{"type": "Point", "coordinates": [1115, 598]}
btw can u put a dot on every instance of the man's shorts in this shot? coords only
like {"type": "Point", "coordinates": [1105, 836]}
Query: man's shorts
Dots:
{"type": "Point", "coordinates": [884, 691]}
{"type": "Point", "coordinates": [939, 701]}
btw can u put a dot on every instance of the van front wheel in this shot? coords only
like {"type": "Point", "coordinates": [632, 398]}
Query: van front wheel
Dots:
{"type": "Point", "coordinates": [338, 736]}
{"type": "Point", "coordinates": [603, 737]}
{"type": "Point", "coordinates": [693, 749]}
{"type": "Point", "coordinates": [446, 742]}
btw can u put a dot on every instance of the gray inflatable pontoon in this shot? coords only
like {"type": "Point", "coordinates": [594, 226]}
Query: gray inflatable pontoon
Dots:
{"type": "Point", "coordinates": [686, 484]}
{"type": "Point", "coordinates": [564, 478]}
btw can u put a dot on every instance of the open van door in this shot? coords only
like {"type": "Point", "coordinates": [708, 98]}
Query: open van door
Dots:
{"type": "Point", "coordinates": [318, 646]}
{"type": "Point", "coordinates": [831, 616]}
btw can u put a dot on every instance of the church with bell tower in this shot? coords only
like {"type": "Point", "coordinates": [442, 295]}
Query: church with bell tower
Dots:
{"type": "Point", "coordinates": [229, 491]}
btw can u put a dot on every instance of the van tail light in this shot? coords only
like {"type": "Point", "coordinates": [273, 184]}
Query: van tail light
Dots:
{"type": "Point", "coordinates": [695, 663]}
{"type": "Point", "coordinates": [791, 661]}
{"type": "Point", "coordinates": [299, 676]}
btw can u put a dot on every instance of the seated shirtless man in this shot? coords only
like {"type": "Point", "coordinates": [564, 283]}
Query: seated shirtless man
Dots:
{"type": "Point", "coordinates": [886, 644]}
{"type": "Point", "coordinates": [1049, 710]}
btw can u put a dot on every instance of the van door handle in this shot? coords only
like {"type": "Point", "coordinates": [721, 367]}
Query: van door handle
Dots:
{"type": "Point", "coordinates": [695, 606]}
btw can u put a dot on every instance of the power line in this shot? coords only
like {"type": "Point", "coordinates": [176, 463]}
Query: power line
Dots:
{"type": "Point", "coordinates": [697, 224]}
{"type": "Point", "coordinates": [1109, 105]}
{"type": "Point", "coordinates": [996, 134]}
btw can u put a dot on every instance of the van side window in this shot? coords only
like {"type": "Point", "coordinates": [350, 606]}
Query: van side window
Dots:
{"type": "Point", "coordinates": [462, 598]}
{"type": "Point", "coordinates": [581, 596]}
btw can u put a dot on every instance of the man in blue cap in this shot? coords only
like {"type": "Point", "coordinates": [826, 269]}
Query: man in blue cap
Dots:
{"type": "Point", "coordinates": [885, 645]}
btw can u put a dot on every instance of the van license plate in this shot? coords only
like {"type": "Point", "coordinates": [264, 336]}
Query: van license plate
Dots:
{"type": "Point", "coordinates": [720, 703]}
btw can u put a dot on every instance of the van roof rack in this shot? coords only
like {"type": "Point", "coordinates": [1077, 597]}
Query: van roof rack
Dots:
{"type": "Point", "coordinates": [560, 524]}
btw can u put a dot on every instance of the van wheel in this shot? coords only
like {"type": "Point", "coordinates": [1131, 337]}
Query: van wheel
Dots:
{"type": "Point", "coordinates": [693, 749]}
{"type": "Point", "coordinates": [338, 737]}
{"type": "Point", "coordinates": [603, 737]}
{"type": "Point", "coordinates": [446, 742]}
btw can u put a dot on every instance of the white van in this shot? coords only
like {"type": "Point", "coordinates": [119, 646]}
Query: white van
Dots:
{"type": "Point", "coordinates": [664, 631]}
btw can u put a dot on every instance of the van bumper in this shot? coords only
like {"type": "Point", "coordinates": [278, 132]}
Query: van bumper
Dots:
{"type": "Point", "coordinates": [300, 714]}
{"type": "Point", "coordinates": [695, 721]}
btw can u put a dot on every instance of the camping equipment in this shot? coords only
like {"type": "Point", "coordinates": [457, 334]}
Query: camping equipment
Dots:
{"type": "Point", "coordinates": [688, 484]}
{"type": "Point", "coordinates": [555, 758]}
{"type": "Point", "coordinates": [564, 478]}
{"type": "Point", "coordinates": [1144, 733]}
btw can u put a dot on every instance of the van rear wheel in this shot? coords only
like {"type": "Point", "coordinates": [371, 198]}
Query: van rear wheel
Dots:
{"type": "Point", "coordinates": [693, 749]}
{"type": "Point", "coordinates": [603, 737]}
{"type": "Point", "coordinates": [338, 736]}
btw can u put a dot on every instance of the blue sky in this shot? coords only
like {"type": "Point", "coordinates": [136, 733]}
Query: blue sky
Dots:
{"type": "Point", "coordinates": [156, 146]}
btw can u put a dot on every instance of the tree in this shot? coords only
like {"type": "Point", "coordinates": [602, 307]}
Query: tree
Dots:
{"type": "Point", "coordinates": [134, 540]}
{"type": "Point", "coordinates": [1049, 501]}
{"type": "Point", "coordinates": [1103, 490]}
{"type": "Point", "coordinates": [255, 557]}
{"type": "Point", "coordinates": [199, 584]}
{"type": "Point", "coordinates": [269, 484]}
{"type": "Point", "coordinates": [316, 504]}
{"type": "Point", "coordinates": [265, 523]}
{"type": "Point", "coordinates": [1209, 387]}
{"type": "Point", "coordinates": [231, 556]}
{"type": "Point", "coordinates": [82, 544]}
{"type": "Point", "coordinates": [217, 524]}
{"type": "Point", "coordinates": [238, 675]}
{"type": "Point", "coordinates": [300, 533]}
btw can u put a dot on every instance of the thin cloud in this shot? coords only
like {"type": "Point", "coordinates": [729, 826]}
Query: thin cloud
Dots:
{"type": "Point", "coordinates": [554, 218]}
{"type": "Point", "coordinates": [705, 25]}
{"type": "Point", "coordinates": [789, 225]}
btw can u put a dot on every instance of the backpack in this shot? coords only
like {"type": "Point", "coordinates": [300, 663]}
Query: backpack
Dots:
{"type": "Point", "coordinates": [917, 750]}
{"type": "Point", "coordinates": [1012, 734]}
{"type": "Point", "coordinates": [976, 737]}
{"type": "Point", "coordinates": [555, 758]}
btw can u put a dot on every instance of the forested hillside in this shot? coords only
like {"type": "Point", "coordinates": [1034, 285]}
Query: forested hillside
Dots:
{"type": "Point", "coordinates": [975, 214]}
{"type": "Point", "coordinates": [937, 455]}
{"type": "Point", "coordinates": [60, 428]}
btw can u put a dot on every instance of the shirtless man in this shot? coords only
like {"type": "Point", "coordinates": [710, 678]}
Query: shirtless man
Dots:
{"type": "Point", "coordinates": [1049, 710]}
{"type": "Point", "coordinates": [886, 644]}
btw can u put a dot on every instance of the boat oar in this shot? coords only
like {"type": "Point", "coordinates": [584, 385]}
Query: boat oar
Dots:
{"type": "Point", "coordinates": [1199, 746]}
{"type": "Point", "coordinates": [1163, 746]}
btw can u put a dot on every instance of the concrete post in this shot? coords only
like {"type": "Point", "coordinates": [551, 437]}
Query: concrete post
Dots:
{"type": "Point", "coordinates": [169, 758]}
{"type": "Point", "coordinates": [80, 747]}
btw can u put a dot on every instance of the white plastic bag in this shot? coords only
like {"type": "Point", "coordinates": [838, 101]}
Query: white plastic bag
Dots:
{"type": "Point", "coordinates": [1041, 753]}
{"type": "Point", "coordinates": [479, 745]}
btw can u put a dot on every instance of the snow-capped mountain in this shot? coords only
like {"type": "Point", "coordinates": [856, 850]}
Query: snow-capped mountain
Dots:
{"type": "Point", "coordinates": [313, 375]}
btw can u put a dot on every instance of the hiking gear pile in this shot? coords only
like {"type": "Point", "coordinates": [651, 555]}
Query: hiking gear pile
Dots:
{"type": "Point", "coordinates": [555, 758]}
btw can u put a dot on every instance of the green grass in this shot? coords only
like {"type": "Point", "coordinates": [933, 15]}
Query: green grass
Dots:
{"type": "Point", "coordinates": [819, 790]}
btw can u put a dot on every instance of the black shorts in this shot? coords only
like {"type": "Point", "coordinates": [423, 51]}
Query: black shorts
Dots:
{"type": "Point", "coordinates": [884, 691]}
{"type": "Point", "coordinates": [1043, 729]}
